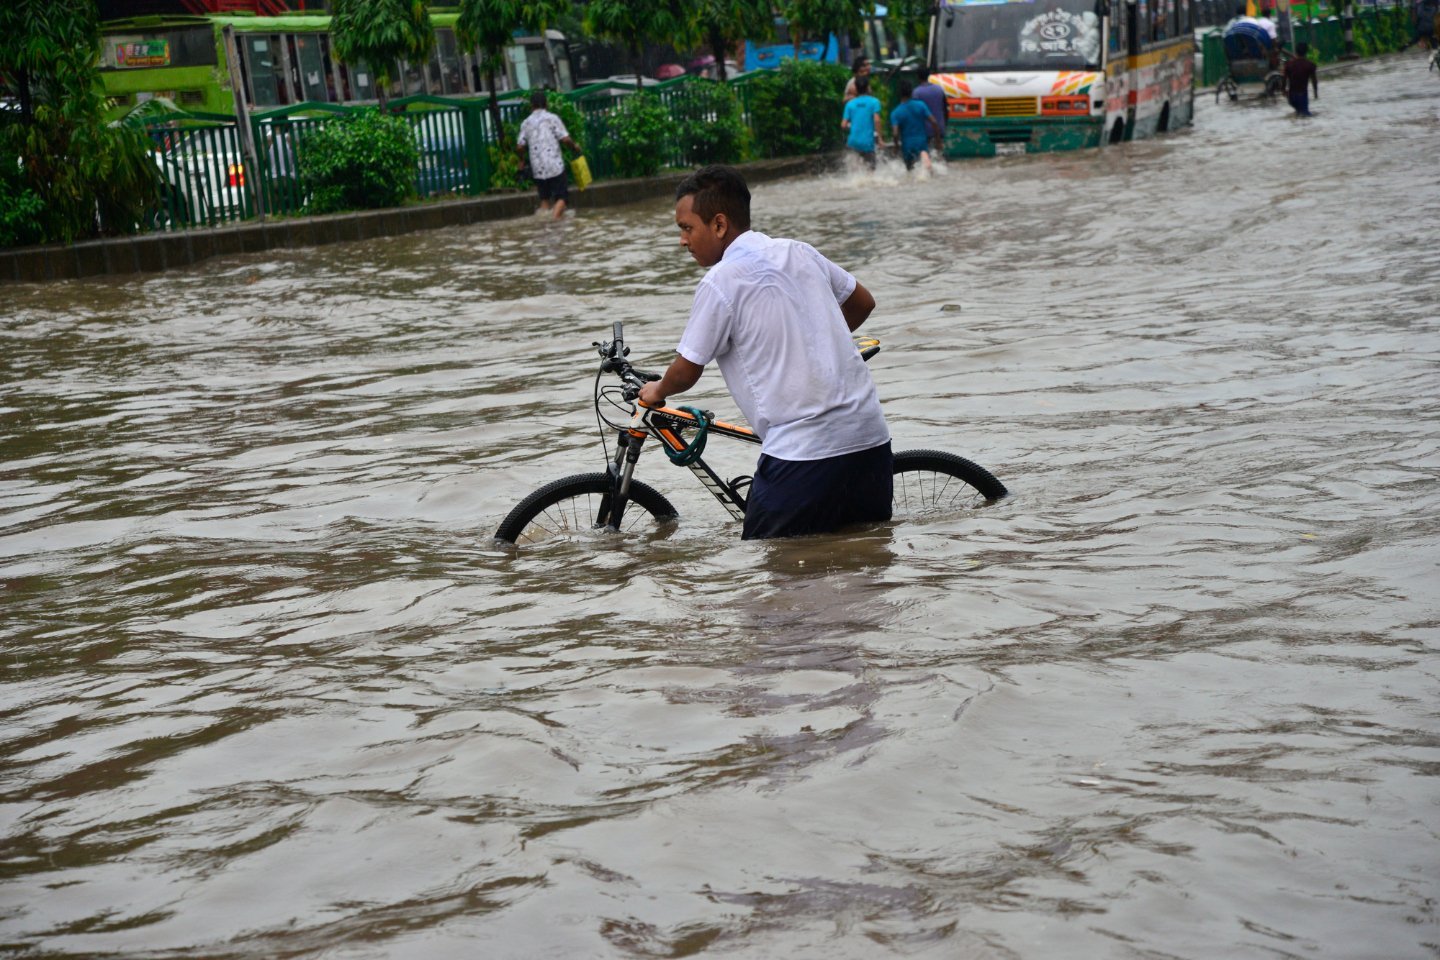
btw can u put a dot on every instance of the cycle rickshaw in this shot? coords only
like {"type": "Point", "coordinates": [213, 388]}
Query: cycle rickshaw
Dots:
{"type": "Point", "coordinates": [1253, 57]}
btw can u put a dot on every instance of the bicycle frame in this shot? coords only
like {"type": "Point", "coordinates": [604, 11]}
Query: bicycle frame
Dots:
{"type": "Point", "coordinates": [667, 425]}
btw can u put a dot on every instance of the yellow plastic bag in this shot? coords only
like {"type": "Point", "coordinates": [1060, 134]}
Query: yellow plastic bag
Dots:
{"type": "Point", "coordinates": [580, 169]}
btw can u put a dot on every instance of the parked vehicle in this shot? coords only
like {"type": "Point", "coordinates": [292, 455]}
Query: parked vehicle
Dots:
{"type": "Point", "coordinates": [1253, 57]}
{"type": "Point", "coordinates": [205, 171]}
{"type": "Point", "coordinates": [290, 59]}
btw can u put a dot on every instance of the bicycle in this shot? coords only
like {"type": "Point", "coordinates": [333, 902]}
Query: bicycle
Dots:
{"type": "Point", "coordinates": [926, 481]}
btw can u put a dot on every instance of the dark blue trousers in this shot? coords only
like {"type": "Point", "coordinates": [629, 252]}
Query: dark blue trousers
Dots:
{"type": "Point", "coordinates": [789, 498]}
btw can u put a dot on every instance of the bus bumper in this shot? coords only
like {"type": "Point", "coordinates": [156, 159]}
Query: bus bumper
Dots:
{"type": "Point", "coordinates": [989, 136]}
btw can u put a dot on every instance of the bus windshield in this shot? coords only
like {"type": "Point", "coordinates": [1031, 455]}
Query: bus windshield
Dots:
{"type": "Point", "coordinates": [1045, 35]}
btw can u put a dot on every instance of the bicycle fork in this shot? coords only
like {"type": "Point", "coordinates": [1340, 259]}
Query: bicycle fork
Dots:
{"type": "Point", "coordinates": [621, 469]}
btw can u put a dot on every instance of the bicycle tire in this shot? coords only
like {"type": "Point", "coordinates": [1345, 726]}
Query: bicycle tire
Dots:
{"type": "Point", "coordinates": [933, 481]}
{"type": "Point", "coordinates": [570, 505]}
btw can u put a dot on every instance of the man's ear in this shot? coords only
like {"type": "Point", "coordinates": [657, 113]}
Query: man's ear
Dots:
{"type": "Point", "coordinates": [720, 224]}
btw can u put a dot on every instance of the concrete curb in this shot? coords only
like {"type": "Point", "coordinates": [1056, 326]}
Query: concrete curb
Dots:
{"type": "Point", "coordinates": [147, 253]}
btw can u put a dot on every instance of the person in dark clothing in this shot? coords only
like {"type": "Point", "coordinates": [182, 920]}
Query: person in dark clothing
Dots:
{"type": "Point", "coordinates": [933, 96]}
{"type": "Point", "coordinates": [1299, 73]}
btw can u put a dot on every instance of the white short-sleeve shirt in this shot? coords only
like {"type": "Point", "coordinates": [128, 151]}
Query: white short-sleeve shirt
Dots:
{"type": "Point", "coordinates": [542, 132]}
{"type": "Point", "coordinates": [769, 315]}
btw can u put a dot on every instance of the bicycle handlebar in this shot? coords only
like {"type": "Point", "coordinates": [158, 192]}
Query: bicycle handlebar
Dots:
{"type": "Point", "coordinates": [612, 360]}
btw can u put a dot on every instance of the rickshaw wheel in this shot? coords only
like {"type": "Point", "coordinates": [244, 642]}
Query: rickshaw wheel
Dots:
{"type": "Point", "coordinates": [1274, 84]}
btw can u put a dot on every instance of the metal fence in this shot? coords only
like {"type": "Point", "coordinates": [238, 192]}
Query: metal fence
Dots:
{"type": "Point", "coordinates": [207, 181]}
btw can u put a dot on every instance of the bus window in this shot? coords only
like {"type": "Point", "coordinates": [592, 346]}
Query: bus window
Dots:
{"type": "Point", "coordinates": [412, 78]}
{"type": "Point", "coordinates": [519, 66]}
{"type": "Point", "coordinates": [561, 53]}
{"type": "Point", "coordinates": [267, 79]}
{"type": "Point", "coordinates": [1054, 35]}
{"type": "Point", "coordinates": [361, 82]}
{"type": "Point", "coordinates": [310, 64]}
{"type": "Point", "coordinates": [185, 47]}
{"type": "Point", "coordinates": [446, 75]}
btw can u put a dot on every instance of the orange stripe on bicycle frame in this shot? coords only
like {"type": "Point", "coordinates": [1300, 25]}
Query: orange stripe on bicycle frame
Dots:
{"type": "Point", "coordinates": [682, 415]}
{"type": "Point", "coordinates": [672, 441]}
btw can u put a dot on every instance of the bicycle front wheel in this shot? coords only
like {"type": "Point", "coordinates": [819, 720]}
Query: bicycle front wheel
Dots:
{"type": "Point", "coordinates": [931, 482]}
{"type": "Point", "coordinates": [574, 505]}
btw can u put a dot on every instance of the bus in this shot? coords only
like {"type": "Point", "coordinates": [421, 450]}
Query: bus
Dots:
{"type": "Point", "coordinates": [289, 59]}
{"type": "Point", "coordinates": [1041, 75]}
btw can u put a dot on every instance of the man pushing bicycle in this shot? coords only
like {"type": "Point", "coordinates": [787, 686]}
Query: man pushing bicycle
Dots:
{"type": "Point", "coordinates": [776, 317]}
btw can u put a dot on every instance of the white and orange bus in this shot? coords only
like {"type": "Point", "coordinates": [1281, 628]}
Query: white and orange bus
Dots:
{"type": "Point", "coordinates": [1039, 75]}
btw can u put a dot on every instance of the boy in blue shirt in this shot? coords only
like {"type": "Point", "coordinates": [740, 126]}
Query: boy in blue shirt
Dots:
{"type": "Point", "coordinates": [862, 122]}
{"type": "Point", "coordinates": [913, 124]}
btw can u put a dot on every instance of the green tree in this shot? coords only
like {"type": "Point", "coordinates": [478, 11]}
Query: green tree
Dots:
{"type": "Point", "coordinates": [379, 32]}
{"type": "Point", "coordinates": [911, 20]}
{"type": "Point", "coordinates": [722, 23]}
{"type": "Point", "coordinates": [78, 176]}
{"type": "Point", "coordinates": [819, 18]}
{"type": "Point", "coordinates": [633, 23]}
{"type": "Point", "coordinates": [489, 25]}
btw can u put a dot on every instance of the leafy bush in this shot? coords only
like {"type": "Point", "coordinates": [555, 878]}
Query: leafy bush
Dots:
{"type": "Point", "coordinates": [638, 131]}
{"type": "Point", "coordinates": [361, 162]}
{"type": "Point", "coordinates": [20, 207]}
{"type": "Point", "coordinates": [711, 129]}
{"type": "Point", "coordinates": [505, 165]}
{"type": "Point", "coordinates": [796, 109]}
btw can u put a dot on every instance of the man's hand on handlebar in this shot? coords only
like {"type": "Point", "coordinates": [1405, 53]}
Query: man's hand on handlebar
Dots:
{"type": "Point", "coordinates": [680, 376]}
{"type": "Point", "coordinates": [650, 395]}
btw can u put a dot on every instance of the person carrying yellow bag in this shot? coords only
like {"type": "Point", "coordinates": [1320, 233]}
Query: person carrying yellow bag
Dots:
{"type": "Point", "coordinates": [543, 133]}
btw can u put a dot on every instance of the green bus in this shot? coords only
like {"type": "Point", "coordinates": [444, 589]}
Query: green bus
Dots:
{"type": "Point", "coordinates": [290, 59]}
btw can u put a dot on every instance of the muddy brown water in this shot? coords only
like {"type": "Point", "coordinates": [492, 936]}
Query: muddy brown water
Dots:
{"type": "Point", "coordinates": [272, 692]}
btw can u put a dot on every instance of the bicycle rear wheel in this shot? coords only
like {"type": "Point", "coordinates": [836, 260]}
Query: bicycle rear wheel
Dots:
{"type": "Point", "coordinates": [931, 482]}
{"type": "Point", "coordinates": [572, 505]}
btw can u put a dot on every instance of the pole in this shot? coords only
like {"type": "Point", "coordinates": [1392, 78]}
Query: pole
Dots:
{"type": "Point", "coordinates": [242, 121]}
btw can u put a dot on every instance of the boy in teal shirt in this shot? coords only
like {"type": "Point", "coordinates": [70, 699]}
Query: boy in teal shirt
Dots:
{"type": "Point", "coordinates": [862, 121]}
{"type": "Point", "coordinates": [913, 124]}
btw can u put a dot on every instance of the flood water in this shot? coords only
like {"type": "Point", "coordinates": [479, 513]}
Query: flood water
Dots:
{"type": "Point", "coordinates": [272, 691]}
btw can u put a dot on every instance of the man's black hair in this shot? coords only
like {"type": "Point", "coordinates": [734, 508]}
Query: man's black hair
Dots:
{"type": "Point", "coordinates": [905, 89]}
{"type": "Point", "coordinates": [862, 85]}
{"type": "Point", "coordinates": [859, 62]}
{"type": "Point", "coordinates": [539, 99]}
{"type": "Point", "coordinates": [1302, 48]}
{"type": "Point", "coordinates": [718, 189]}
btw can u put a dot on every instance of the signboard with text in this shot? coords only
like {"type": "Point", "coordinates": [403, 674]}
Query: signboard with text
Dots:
{"type": "Point", "coordinates": [134, 54]}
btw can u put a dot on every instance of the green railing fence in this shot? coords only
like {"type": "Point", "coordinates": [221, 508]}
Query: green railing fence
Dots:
{"type": "Point", "coordinates": [208, 182]}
